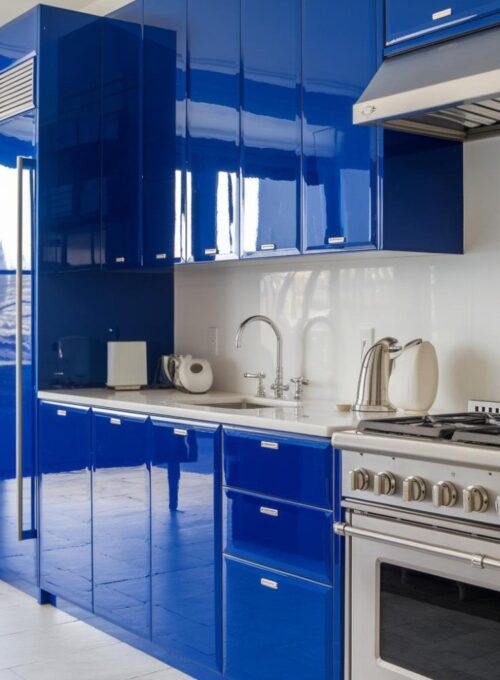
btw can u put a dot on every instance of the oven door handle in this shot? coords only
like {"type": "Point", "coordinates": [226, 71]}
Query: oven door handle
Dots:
{"type": "Point", "coordinates": [472, 559]}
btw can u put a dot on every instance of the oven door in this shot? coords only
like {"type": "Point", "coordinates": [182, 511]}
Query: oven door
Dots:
{"type": "Point", "coordinates": [421, 602]}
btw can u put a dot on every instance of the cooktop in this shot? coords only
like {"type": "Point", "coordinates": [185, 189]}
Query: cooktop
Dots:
{"type": "Point", "coordinates": [469, 428]}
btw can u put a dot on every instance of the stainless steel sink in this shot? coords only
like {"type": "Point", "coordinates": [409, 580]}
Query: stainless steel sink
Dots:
{"type": "Point", "coordinates": [236, 405]}
{"type": "Point", "coordinates": [246, 404]}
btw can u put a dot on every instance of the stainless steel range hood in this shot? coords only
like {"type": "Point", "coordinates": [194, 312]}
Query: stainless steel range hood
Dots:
{"type": "Point", "coordinates": [450, 90]}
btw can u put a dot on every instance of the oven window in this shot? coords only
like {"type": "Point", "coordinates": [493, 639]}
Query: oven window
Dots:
{"type": "Point", "coordinates": [437, 627]}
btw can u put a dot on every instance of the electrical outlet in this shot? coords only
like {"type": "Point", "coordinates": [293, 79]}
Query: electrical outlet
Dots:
{"type": "Point", "coordinates": [367, 338]}
{"type": "Point", "coordinates": [213, 341]}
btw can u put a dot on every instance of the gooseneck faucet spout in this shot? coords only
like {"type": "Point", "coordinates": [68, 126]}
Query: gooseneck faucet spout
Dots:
{"type": "Point", "coordinates": [278, 387]}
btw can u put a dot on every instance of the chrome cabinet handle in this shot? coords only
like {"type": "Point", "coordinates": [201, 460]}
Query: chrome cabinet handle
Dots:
{"type": "Point", "coordinates": [211, 251]}
{"type": "Point", "coordinates": [115, 421]}
{"type": "Point", "coordinates": [61, 412]}
{"type": "Point", "coordinates": [336, 240]}
{"type": "Point", "coordinates": [22, 535]}
{"type": "Point", "coordinates": [267, 583]}
{"type": "Point", "coordinates": [180, 432]}
{"type": "Point", "coordinates": [472, 559]}
{"type": "Point", "coordinates": [442, 14]}
{"type": "Point", "coordinates": [270, 445]}
{"type": "Point", "coordinates": [268, 246]}
{"type": "Point", "coordinates": [272, 512]}
{"type": "Point", "coordinates": [119, 260]}
{"type": "Point", "coordinates": [161, 256]}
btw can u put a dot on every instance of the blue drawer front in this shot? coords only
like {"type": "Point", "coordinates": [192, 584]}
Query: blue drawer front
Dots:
{"type": "Point", "coordinates": [121, 494]}
{"type": "Point", "coordinates": [274, 465]}
{"type": "Point", "coordinates": [406, 20]}
{"type": "Point", "coordinates": [186, 550]}
{"type": "Point", "coordinates": [282, 535]}
{"type": "Point", "coordinates": [277, 627]}
{"type": "Point", "coordinates": [65, 502]}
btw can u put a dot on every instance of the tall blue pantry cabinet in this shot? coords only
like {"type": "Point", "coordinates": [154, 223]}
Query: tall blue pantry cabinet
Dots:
{"type": "Point", "coordinates": [51, 108]}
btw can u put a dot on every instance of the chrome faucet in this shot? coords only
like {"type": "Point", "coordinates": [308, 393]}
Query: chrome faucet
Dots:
{"type": "Point", "coordinates": [278, 387]}
{"type": "Point", "coordinates": [376, 369]}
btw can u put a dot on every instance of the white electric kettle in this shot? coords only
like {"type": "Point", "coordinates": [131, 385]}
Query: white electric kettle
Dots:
{"type": "Point", "coordinates": [186, 373]}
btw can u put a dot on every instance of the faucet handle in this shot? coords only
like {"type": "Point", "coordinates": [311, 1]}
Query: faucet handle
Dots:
{"type": "Point", "coordinates": [299, 383]}
{"type": "Point", "coordinates": [261, 391]}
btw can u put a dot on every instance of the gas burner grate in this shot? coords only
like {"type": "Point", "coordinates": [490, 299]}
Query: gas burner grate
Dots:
{"type": "Point", "coordinates": [440, 426]}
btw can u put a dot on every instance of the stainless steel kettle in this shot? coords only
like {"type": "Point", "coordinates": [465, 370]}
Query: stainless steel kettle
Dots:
{"type": "Point", "coordinates": [373, 385]}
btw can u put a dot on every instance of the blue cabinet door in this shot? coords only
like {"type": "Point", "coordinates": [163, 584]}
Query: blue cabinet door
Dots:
{"type": "Point", "coordinates": [186, 545]}
{"type": "Point", "coordinates": [285, 536]}
{"type": "Point", "coordinates": [69, 123]}
{"type": "Point", "coordinates": [65, 502]}
{"type": "Point", "coordinates": [213, 129]}
{"type": "Point", "coordinates": [121, 520]}
{"type": "Point", "coordinates": [339, 159]}
{"type": "Point", "coordinates": [159, 145]}
{"type": "Point", "coordinates": [292, 468]}
{"type": "Point", "coordinates": [168, 17]}
{"type": "Point", "coordinates": [276, 627]}
{"type": "Point", "coordinates": [271, 126]}
{"type": "Point", "coordinates": [407, 20]}
{"type": "Point", "coordinates": [121, 141]}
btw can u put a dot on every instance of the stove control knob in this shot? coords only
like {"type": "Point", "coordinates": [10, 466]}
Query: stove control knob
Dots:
{"type": "Point", "coordinates": [444, 495]}
{"type": "Point", "coordinates": [414, 489]}
{"type": "Point", "coordinates": [384, 484]}
{"type": "Point", "coordinates": [359, 479]}
{"type": "Point", "coordinates": [476, 499]}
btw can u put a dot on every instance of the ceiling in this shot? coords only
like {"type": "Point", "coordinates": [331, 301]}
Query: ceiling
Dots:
{"type": "Point", "coordinates": [9, 9]}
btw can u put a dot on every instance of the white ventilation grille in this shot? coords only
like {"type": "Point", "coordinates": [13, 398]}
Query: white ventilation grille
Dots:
{"type": "Point", "coordinates": [17, 89]}
{"type": "Point", "coordinates": [481, 406]}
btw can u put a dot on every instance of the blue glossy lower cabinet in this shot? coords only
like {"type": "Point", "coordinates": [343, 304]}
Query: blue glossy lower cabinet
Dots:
{"type": "Point", "coordinates": [186, 546]}
{"type": "Point", "coordinates": [279, 465]}
{"type": "Point", "coordinates": [276, 626]}
{"type": "Point", "coordinates": [65, 502]}
{"type": "Point", "coordinates": [286, 536]}
{"type": "Point", "coordinates": [121, 520]}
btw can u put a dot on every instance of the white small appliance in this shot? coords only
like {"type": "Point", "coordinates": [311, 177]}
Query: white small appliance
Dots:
{"type": "Point", "coordinates": [186, 373]}
{"type": "Point", "coordinates": [414, 381]}
{"type": "Point", "coordinates": [127, 365]}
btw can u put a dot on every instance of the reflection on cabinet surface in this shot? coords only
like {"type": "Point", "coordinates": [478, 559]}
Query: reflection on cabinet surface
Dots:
{"type": "Point", "coordinates": [185, 493]}
{"type": "Point", "coordinates": [121, 520]}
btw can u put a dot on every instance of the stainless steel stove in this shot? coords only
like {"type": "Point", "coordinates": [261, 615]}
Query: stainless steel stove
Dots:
{"type": "Point", "coordinates": [421, 497]}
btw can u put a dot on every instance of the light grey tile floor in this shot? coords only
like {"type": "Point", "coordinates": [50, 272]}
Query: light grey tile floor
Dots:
{"type": "Point", "coordinates": [44, 643]}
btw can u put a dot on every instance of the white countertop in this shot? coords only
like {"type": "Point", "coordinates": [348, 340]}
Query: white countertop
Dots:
{"type": "Point", "coordinates": [317, 418]}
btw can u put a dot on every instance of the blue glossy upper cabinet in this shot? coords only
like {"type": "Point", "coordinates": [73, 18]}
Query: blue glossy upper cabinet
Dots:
{"type": "Point", "coordinates": [271, 127]}
{"type": "Point", "coordinates": [186, 543]}
{"type": "Point", "coordinates": [165, 25]}
{"type": "Point", "coordinates": [121, 139]}
{"type": "Point", "coordinates": [159, 145]}
{"type": "Point", "coordinates": [70, 152]}
{"type": "Point", "coordinates": [213, 129]}
{"type": "Point", "coordinates": [424, 21]}
{"type": "Point", "coordinates": [65, 502]}
{"type": "Point", "coordinates": [339, 160]}
{"type": "Point", "coordinates": [121, 520]}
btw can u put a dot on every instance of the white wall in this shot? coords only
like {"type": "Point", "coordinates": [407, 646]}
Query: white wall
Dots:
{"type": "Point", "coordinates": [321, 304]}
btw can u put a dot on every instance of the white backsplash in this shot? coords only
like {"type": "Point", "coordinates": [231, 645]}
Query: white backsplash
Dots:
{"type": "Point", "coordinates": [322, 304]}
